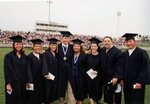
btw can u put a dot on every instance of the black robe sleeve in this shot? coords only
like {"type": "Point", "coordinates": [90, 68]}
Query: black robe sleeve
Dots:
{"type": "Point", "coordinates": [44, 65]}
{"type": "Point", "coordinates": [118, 70]}
{"type": "Point", "coordinates": [8, 69]}
{"type": "Point", "coordinates": [29, 72]}
{"type": "Point", "coordinates": [83, 64]}
{"type": "Point", "coordinates": [144, 75]}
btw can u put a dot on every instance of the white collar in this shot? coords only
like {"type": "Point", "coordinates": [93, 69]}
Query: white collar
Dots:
{"type": "Point", "coordinates": [64, 45]}
{"type": "Point", "coordinates": [36, 55]}
{"type": "Point", "coordinates": [109, 48]}
{"type": "Point", "coordinates": [131, 51]}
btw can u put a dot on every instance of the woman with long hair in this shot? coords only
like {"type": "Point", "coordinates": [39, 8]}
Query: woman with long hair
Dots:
{"type": "Point", "coordinates": [50, 71]}
{"type": "Point", "coordinates": [16, 73]}
{"type": "Point", "coordinates": [78, 68]}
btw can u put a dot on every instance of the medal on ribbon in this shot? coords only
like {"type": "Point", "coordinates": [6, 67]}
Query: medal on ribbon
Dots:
{"type": "Point", "coordinates": [65, 52]}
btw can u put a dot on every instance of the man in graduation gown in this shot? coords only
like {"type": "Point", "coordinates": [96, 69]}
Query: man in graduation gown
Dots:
{"type": "Point", "coordinates": [136, 71]}
{"type": "Point", "coordinates": [65, 55]}
{"type": "Point", "coordinates": [111, 71]}
{"type": "Point", "coordinates": [16, 73]}
{"type": "Point", "coordinates": [35, 94]}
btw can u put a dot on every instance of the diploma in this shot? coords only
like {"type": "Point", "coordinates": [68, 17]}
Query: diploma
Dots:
{"type": "Point", "coordinates": [91, 73]}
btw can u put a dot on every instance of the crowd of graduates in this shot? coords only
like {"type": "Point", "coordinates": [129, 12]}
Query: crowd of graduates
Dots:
{"type": "Point", "coordinates": [66, 69]}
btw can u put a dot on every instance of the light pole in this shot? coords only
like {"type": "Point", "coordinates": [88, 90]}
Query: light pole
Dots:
{"type": "Point", "coordinates": [49, 2]}
{"type": "Point", "coordinates": [118, 21]}
{"type": "Point", "coordinates": [49, 20]}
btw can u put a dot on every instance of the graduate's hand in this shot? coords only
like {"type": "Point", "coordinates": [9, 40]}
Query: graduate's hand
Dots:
{"type": "Point", "coordinates": [48, 77]}
{"type": "Point", "coordinates": [28, 85]}
{"type": "Point", "coordinates": [121, 83]}
{"type": "Point", "coordinates": [8, 87]}
{"type": "Point", "coordinates": [138, 86]}
{"type": "Point", "coordinates": [95, 72]}
{"type": "Point", "coordinates": [114, 81]}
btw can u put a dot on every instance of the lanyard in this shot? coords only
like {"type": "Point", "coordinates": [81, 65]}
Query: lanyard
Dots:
{"type": "Point", "coordinates": [65, 50]}
{"type": "Point", "coordinates": [75, 59]}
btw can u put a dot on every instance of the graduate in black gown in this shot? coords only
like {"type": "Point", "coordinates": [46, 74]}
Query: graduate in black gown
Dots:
{"type": "Point", "coordinates": [65, 55]}
{"type": "Point", "coordinates": [136, 71]}
{"type": "Point", "coordinates": [111, 71]}
{"type": "Point", "coordinates": [50, 71]}
{"type": "Point", "coordinates": [78, 72]}
{"type": "Point", "coordinates": [35, 95]}
{"type": "Point", "coordinates": [16, 73]}
{"type": "Point", "coordinates": [93, 63]}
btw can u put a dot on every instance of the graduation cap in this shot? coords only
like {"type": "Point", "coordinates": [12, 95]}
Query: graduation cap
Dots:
{"type": "Point", "coordinates": [95, 40]}
{"type": "Point", "coordinates": [129, 36]}
{"type": "Point", "coordinates": [36, 41]}
{"type": "Point", "coordinates": [66, 33]}
{"type": "Point", "coordinates": [17, 38]}
{"type": "Point", "coordinates": [52, 40]}
{"type": "Point", "coordinates": [77, 41]}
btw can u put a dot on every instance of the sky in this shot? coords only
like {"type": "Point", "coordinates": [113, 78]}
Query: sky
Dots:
{"type": "Point", "coordinates": [88, 17]}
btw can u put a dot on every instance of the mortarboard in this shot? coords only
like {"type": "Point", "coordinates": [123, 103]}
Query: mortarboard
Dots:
{"type": "Point", "coordinates": [95, 40]}
{"type": "Point", "coordinates": [17, 38]}
{"type": "Point", "coordinates": [66, 33]}
{"type": "Point", "coordinates": [129, 36]}
{"type": "Point", "coordinates": [36, 41]}
{"type": "Point", "coordinates": [77, 41]}
{"type": "Point", "coordinates": [52, 40]}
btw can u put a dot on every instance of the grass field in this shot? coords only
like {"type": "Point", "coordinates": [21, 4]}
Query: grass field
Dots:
{"type": "Point", "coordinates": [3, 51]}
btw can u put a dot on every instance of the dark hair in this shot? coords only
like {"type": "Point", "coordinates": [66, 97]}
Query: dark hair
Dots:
{"type": "Point", "coordinates": [130, 39]}
{"type": "Point", "coordinates": [97, 46]}
{"type": "Point", "coordinates": [55, 50]}
{"type": "Point", "coordinates": [81, 49]}
{"type": "Point", "coordinates": [108, 37]}
{"type": "Point", "coordinates": [21, 51]}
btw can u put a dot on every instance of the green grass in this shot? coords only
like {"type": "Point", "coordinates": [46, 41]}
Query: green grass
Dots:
{"type": "Point", "coordinates": [147, 46]}
{"type": "Point", "coordinates": [3, 51]}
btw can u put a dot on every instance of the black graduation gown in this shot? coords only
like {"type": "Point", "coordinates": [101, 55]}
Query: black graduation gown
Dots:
{"type": "Point", "coordinates": [64, 69]}
{"type": "Point", "coordinates": [50, 65]}
{"type": "Point", "coordinates": [111, 68]}
{"type": "Point", "coordinates": [78, 77]}
{"type": "Point", "coordinates": [135, 71]}
{"type": "Point", "coordinates": [16, 71]}
{"type": "Point", "coordinates": [94, 85]}
{"type": "Point", "coordinates": [35, 64]}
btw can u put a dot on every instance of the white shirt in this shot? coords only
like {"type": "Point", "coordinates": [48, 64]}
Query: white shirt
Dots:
{"type": "Point", "coordinates": [131, 51]}
{"type": "Point", "coordinates": [36, 55]}
{"type": "Point", "coordinates": [66, 48]}
{"type": "Point", "coordinates": [65, 45]}
{"type": "Point", "coordinates": [109, 49]}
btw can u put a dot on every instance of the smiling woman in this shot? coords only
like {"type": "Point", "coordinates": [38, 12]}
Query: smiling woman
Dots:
{"type": "Point", "coordinates": [35, 95]}
{"type": "Point", "coordinates": [15, 67]}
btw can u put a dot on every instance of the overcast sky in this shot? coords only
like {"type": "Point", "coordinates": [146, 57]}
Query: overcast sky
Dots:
{"type": "Point", "coordinates": [92, 17]}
